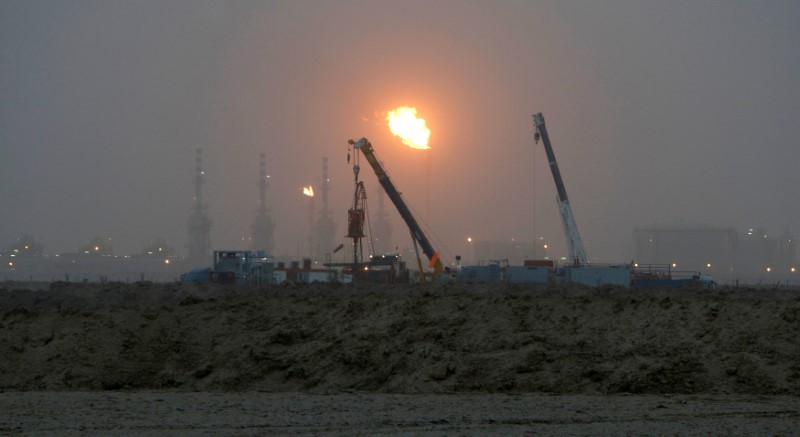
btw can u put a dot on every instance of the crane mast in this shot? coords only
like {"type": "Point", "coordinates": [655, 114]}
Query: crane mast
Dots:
{"type": "Point", "coordinates": [416, 231]}
{"type": "Point", "coordinates": [574, 243]}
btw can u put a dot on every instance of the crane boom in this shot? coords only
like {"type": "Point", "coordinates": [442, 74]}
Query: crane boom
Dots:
{"type": "Point", "coordinates": [416, 231]}
{"type": "Point", "coordinates": [574, 243]}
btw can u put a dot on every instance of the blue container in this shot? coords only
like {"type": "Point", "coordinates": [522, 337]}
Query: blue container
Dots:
{"type": "Point", "coordinates": [479, 274]}
{"type": "Point", "coordinates": [527, 274]}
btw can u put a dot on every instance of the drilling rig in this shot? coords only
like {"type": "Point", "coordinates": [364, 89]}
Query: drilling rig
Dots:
{"type": "Point", "coordinates": [356, 217]}
{"type": "Point", "coordinates": [385, 268]}
{"type": "Point", "coordinates": [417, 235]}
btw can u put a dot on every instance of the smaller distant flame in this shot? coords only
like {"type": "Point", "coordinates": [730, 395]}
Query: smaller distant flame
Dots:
{"type": "Point", "coordinates": [308, 191]}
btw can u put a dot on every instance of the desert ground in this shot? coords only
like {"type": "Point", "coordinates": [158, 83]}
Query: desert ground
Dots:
{"type": "Point", "coordinates": [425, 359]}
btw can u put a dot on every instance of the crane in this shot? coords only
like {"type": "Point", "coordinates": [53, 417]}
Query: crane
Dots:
{"type": "Point", "coordinates": [574, 244]}
{"type": "Point", "coordinates": [417, 235]}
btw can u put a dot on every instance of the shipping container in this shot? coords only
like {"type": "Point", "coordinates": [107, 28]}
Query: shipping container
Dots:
{"type": "Point", "coordinates": [596, 276]}
{"type": "Point", "coordinates": [527, 274]}
{"type": "Point", "coordinates": [479, 274]}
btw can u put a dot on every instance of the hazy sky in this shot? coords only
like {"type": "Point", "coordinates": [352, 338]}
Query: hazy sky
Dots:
{"type": "Point", "coordinates": [662, 113]}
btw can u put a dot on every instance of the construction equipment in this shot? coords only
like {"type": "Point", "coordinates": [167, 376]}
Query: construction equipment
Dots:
{"type": "Point", "coordinates": [355, 219]}
{"type": "Point", "coordinates": [235, 267]}
{"type": "Point", "coordinates": [417, 235]}
{"type": "Point", "coordinates": [574, 244]}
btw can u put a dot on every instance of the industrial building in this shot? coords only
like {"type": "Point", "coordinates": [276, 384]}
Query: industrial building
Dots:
{"type": "Point", "coordinates": [752, 256]}
{"type": "Point", "coordinates": [673, 255]}
{"type": "Point", "coordinates": [513, 250]}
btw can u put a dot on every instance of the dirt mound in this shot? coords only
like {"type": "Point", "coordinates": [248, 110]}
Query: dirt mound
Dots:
{"type": "Point", "coordinates": [400, 339]}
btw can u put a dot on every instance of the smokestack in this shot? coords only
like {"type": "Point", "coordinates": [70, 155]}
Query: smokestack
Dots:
{"type": "Point", "coordinates": [263, 225]}
{"type": "Point", "coordinates": [311, 212]}
{"type": "Point", "coordinates": [325, 186]}
{"type": "Point", "coordinates": [198, 178]}
{"type": "Point", "coordinates": [262, 182]}
{"type": "Point", "coordinates": [382, 230]}
{"type": "Point", "coordinates": [325, 228]}
{"type": "Point", "coordinates": [199, 223]}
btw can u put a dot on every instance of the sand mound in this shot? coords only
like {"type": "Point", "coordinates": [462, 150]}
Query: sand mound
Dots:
{"type": "Point", "coordinates": [400, 339]}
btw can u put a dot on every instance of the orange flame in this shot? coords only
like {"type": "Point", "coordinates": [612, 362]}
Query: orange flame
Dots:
{"type": "Point", "coordinates": [403, 123]}
{"type": "Point", "coordinates": [308, 191]}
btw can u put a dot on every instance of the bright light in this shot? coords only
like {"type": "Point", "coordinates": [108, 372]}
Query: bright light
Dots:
{"type": "Point", "coordinates": [674, 265]}
{"type": "Point", "coordinates": [636, 264]}
{"type": "Point", "coordinates": [469, 239]}
{"type": "Point", "coordinates": [708, 265]}
{"type": "Point", "coordinates": [793, 269]}
{"type": "Point", "coordinates": [403, 123]}
{"type": "Point", "coordinates": [96, 248]}
{"type": "Point", "coordinates": [769, 269]}
{"type": "Point", "coordinates": [545, 246]}
{"type": "Point", "coordinates": [166, 261]}
{"type": "Point", "coordinates": [308, 191]}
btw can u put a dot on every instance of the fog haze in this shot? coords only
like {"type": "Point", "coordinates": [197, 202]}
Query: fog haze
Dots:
{"type": "Point", "coordinates": [660, 113]}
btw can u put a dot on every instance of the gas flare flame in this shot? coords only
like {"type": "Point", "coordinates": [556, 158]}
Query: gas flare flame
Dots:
{"type": "Point", "coordinates": [403, 123]}
{"type": "Point", "coordinates": [308, 191]}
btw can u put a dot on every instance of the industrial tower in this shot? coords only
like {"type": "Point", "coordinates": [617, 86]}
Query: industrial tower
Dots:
{"type": "Point", "coordinates": [199, 223]}
{"type": "Point", "coordinates": [263, 226]}
{"type": "Point", "coordinates": [382, 240]}
{"type": "Point", "coordinates": [326, 228]}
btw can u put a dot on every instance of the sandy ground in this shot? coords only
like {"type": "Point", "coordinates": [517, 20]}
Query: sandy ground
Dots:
{"type": "Point", "coordinates": [205, 413]}
{"type": "Point", "coordinates": [421, 359]}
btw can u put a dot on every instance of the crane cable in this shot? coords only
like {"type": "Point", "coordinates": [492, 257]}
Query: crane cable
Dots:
{"type": "Point", "coordinates": [428, 231]}
{"type": "Point", "coordinates": [533, 191]}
